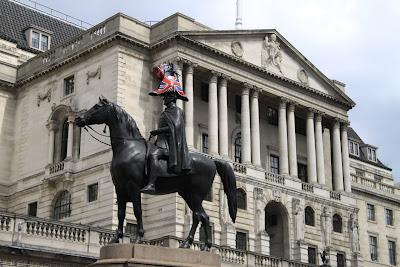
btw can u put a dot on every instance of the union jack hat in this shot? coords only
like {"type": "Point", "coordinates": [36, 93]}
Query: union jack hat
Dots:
{"type": "Point", "coordinates": [169, 82]}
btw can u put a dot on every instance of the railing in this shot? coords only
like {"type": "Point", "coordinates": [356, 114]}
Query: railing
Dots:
{"type": "Point", "coordinates": [274, 178]}
{"type": "Point", "coordinates": [57, 167]}
{"type": "Point", "coordinates": [307, 187]}
{"type": "Point", "coordinates": [335, 195]}
{"type": "Point", "coordinates": [372, 184]}
{"type": "Point", "coordinates": [240, 168]}
{"type": "Point", "coordinates": [22, 231]}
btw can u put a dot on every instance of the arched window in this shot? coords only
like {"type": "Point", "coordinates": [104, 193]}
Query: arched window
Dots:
{"type": "Point", "coordinates": [62, 205]}
{"type": "Point", "coordinates": [64, 140]}
{"type": "Point", "coordinates": [238, 148]}
{"type": "Point", "coordinates": [337, 223]}
{"type": "Point", "coordinates": [241, 199]}
{"type": "Point", "coordinates": [309, 216]}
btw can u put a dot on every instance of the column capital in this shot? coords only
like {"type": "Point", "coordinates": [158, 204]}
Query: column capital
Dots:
{"type": "Point", "coordinates": [225, 77]}
{"type": "Point", "coordinates": [255, 91]}
{"type": "Point", "coordinates": [247, 85]}
{"type": "Point", "coordinates": [189, 68]}
{"type": "Point", "coordinates": [283, 102]}
{"type": "Point", "coordinates": [213, 76]}
{"type": "Point", "coordinates": [318, 116]}
{"type": "Point", "coordinates": [245, 90]}
{"type": "Point", "coordinates": [52, 125]}
{"type": "Point", "coordinates": [292, 106]}
{"type": "Point", "coordinates": [345, 123]}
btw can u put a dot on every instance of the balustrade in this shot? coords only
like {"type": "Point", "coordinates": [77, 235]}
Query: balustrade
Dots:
{"type": "Point", "coordinates": [57, 231]}
{"type": "Point", "coordinates": [274, 178]}
{"type": "Point", "coordinates": [240, 168]}
{"type": "Point", "coordinates": [307, 187]}
{"type": "Point", "coordinates": [57, 167]}
{"type": "Point", "coordinates": [267, 261]}
{"type": "Point", "coordinates": [373, 184]}
{"type": "Point", "coordinates": [5, 222]}
{"type": "Point", "coordinates": [335, 195]}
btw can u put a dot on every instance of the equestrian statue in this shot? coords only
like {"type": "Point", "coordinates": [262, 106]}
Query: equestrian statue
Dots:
{"type": "Point", "coordinates": [163, 167]}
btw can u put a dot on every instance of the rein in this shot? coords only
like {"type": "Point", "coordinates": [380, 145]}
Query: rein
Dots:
{"type": "Point", "coordinates": [100, 134]}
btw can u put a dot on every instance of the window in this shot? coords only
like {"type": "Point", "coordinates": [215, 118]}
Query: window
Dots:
{"type": "Point", "coordinates": [131, 229]}
{"type": "Point", "coordinates": [274, 164]}
{"type": "Point", "coordinates": [302, 172]}
{"type": "Point", "coordinates": [312, 255]}
{"type": "Point", "coordinates": [62, 206]}
{"type": "Point", "coordinates": [309, 216]}
{"type": "Point", "coordinates": [337, 223]}
{"type": "Point", "coordinates": [360, 173]}
{"type": "Point", "coordinates": [44, 42]}
{"type": "Point", "coordinates": [370, 212]}
{"type": "Point", "coordinates": [300, 126]}
{"type": "Point", "coordinates": [202, 233]}
{"type": "Point", "coordinates": [69, 85]}
{"type": "Point", "coordinates": [354, 148]}
{"type": "Point", "coordinates": [238, 148]}
{"type": "Point", "coordinates": [272, 220]}
{"type": "Point", "coordinates": [238, 104]}
{"type": "Point", "coordinates": [272, 116]}
{"type": "Point", "coordinates": [35, 40]}
{"type": "Point", "coordinates": [93, 191]}
{"type": "Point", "coordinates": [32, 209]}
{"type": "Point", "coordinates": [341, 259]}
{"type": "Point", "coordinates": [371, 154]}
{"type": "Point", "coordinates": [373, 248]}
{"type": "Point", "coordinates": [204, 143]}
{"type": "Point", "coordinates": [378, 177]}
{"type": "Point", "coordinates": [241, 240]}
{"type": "Point", "coordinates": [204, 92]}
{"type": "Point", "coordinates": [40, 41]}
{"type": "Point", "coordinates": [64, 140]}
{"type": "Point", "coordinates": [392, 252]}
{"type": "Point", "coordinates": [241, 199]}
{"type": "Point", "coordinates": [389, 217]}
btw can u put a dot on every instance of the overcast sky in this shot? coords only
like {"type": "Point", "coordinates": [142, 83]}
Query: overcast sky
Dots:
{"type": "Point", "coordinates": [352, 41]}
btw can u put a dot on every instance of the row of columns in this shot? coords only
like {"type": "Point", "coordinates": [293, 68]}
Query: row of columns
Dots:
{"type": "Point", "coordinates": [315, 149]}
{"type": "Point", "coordinates": [250, 131]}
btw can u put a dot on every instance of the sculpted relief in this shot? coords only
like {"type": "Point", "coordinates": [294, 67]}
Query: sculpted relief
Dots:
{"type": "Point", "coordinates": [271, 55]}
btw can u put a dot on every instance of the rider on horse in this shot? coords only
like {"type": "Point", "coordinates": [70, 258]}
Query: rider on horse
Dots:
{"type": "Point", "coordinates": [171, 140]}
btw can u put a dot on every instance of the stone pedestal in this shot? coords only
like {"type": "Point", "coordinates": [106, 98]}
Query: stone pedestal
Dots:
{"type": "Point", "coordinates": [124, 255]}
{"type": "Point", "coordinates": [262, 243]}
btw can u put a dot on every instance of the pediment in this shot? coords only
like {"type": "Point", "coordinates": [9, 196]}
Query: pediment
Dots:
{"type": "Point", "coordinates": [269, 50]}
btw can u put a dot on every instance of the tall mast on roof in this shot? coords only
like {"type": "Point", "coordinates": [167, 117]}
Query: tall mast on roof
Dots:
{"type": "Point", "coordinates": [238, 23]}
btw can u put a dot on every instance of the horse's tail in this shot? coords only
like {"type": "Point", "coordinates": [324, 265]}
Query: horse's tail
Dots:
{"type": "Point", "coordinates": [228, 179]}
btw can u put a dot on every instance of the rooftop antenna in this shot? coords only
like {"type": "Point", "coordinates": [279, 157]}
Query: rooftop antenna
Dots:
{"type": "Point", "coordinates": [238, 23]}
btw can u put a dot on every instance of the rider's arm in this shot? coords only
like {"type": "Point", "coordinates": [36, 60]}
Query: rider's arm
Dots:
{"type": "Point", "coordinates": [160, 130]}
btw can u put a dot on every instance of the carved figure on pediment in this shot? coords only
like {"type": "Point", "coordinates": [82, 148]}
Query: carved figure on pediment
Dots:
{"type": "Point", "coordinates": [354, 233]}
{"type": "Point", "coordinates": [326, 225]}
{"type": "Point", "coordinates": [271, 54]}
{"type": "Point", "coordinates": [302, 76]}
{"type": "Point", "coordinates": [237, 48]}
{"type": "Point", "coordinates": [298, 213]}
{"type": "Point", "coordinates": [259, 208]}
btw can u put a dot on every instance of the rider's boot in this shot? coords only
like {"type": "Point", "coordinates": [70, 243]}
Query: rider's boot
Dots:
{"type": "Point", "coordinates": [150, 188]}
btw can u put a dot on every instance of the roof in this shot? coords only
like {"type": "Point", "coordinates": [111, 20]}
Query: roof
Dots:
{"type": "Point", "coordinates": [351, 134]}
{"type": "Point", "coordinates": [15, 19]}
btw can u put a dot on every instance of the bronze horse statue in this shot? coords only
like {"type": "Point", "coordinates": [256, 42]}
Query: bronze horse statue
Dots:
{"type": "Point", "coordinates": [129, 175]}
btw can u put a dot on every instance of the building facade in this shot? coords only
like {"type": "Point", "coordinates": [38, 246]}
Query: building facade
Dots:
{"type": "Point", "coordinates": [255, 101]}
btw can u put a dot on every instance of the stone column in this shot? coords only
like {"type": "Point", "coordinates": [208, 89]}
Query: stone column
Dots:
{"type": "Point", "coordinates": [337, 157]}
{"type": "Point", "coordinates": [345, 158]}
{"type": "Point", "coordinates": [213, 114]}
{"type": "Point", "coordinates": [223, 118]}
{"type": "Point", "coordinates": [178, 64]}
{"type": "Point", "coordinates": [70, 144]}
{"type": "Point", "coordinates": [255, 129]}
{"type": "Point", "coordinates": [311, 159]}
{"type": "Point", "coordinates": [283, 140]}
{"type": "Point", "coordinates": [319, 147]}
{"type": "Point", "coordinates": [245, 125]}
{"type": "Point", "coordinates": [189, 106]}
{"type": "Point", "coordinates": [52, 126]}
{"type": "Point", "coordinates": [292, 141]}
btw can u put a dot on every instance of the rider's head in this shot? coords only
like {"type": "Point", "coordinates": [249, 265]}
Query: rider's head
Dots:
{"type": "Point", "coordinates": [170, 98]}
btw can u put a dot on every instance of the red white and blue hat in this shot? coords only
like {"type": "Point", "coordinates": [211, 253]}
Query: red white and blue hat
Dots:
{"type": "Point", "coordinates": [169, 82]}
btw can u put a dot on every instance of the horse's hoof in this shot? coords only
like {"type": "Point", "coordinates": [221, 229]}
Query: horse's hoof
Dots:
{"type": "Point", "coordinates": [114, 240]}
{"type": "Point", "coordinates": [185, 244]}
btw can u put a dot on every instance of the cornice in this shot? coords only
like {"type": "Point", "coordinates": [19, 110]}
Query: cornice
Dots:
{"type": "Point", "coordinates": [260, 70]}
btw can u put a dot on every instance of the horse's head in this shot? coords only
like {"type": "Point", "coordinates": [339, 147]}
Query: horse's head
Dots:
{"type": "Point", "coordinates": [98, 114]}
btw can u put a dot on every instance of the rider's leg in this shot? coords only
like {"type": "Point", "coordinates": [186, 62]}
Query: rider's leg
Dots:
{"type": "Point", "coordinates": [154, 159]}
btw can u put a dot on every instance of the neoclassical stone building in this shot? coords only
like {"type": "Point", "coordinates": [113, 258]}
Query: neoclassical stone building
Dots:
{"type": "Point", "coordinates": [255, 101]}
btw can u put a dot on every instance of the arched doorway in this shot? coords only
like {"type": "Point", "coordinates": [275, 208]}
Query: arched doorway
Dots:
{"type": "Point", "coordinates": [277, 227]}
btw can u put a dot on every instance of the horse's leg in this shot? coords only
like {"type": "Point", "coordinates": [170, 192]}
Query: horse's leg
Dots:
{"type": "Point", "coordinates": [137, 210]}
{"type": "Point", "coordinates": [121, 217]}
{"type": "Point", "coordinates": [189, 240]}
{"type": "Point", "coordinates": [205, 221]}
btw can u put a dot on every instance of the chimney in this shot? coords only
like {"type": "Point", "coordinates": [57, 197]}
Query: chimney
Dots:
{"type": "Point", "coordinates": [238, 23]}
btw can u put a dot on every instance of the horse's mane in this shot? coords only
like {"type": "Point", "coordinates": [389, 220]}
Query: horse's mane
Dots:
{"type": "Point", "coordinates": [130, 123]}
